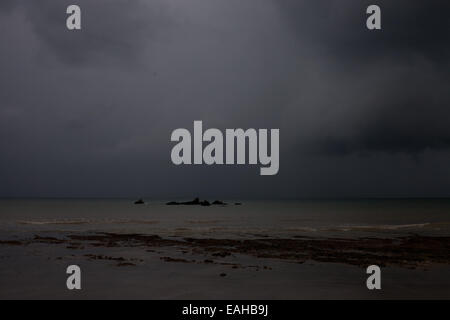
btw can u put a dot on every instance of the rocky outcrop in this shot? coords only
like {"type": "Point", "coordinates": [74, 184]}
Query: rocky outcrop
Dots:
{"type": "Point", "coordinates": [196, 202]}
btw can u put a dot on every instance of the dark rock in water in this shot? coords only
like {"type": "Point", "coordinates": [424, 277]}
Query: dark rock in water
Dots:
{"type": "Point", "coordinates": [140, 201]}
{"type": "Point", "coordinates": [205, 203]}
{"type": "Point", "coordinates": [237, 203]}
{"type": "Point", "coordinates": [195, 202]}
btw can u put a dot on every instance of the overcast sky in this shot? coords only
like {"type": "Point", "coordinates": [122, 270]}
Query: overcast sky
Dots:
{"type": "Point", "coordinates": [89, 114]}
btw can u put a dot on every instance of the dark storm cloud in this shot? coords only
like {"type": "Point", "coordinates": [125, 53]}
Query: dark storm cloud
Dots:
{"type": "Point", "coordinates": [411, 28]}
{"type": "Point", "coordinates": [409, 115]}
{"type": "Point", "coordinates": [90, 113]}
{"type": "Point", "coordinates": [405, 67]}
{"type": "Point", "coordinates": [115, 31]}
{"type": "Point", "coordinates": [408, 124]}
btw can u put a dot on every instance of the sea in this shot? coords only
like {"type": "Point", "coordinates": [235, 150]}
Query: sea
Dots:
{"type": "Point", "coordinates": [348, 218]}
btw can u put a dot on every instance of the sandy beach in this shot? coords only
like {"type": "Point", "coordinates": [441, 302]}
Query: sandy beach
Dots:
{"type": "Point", "coordinates": [150, 267]}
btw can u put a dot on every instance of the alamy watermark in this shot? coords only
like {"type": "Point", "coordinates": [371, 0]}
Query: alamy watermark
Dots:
{"type": "Point", "coordinates": [221, 149]}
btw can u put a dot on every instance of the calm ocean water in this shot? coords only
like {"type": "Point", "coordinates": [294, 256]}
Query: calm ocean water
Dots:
{"type": "Point", "coordinates": [320, 218]}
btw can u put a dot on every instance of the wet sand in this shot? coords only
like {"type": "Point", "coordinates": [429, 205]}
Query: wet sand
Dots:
{"type": "Point", "coordinates": [149, 266]}
{"type": "Point", "coordinates": [409, 252]}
